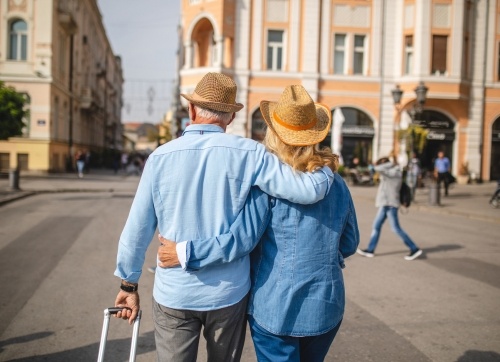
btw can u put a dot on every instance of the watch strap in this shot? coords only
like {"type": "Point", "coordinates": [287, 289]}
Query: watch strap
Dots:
{"type": "Point", "coordinates": [129, 288]}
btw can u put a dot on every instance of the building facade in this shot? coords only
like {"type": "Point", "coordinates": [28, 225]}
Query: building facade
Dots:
{"type": "Point", "coordinates": [351, 55]}
{"type": "Point", "coordinates": [58, 54]}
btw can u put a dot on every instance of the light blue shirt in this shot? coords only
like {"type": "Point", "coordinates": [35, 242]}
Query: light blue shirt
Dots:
{"type": "Point", "coordinates": [442, 165]}
{"type": "Point", "coordinates": [194, 187]}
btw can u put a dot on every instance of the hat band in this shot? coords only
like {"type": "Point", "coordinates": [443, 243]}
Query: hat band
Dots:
{"type": "Point", "coordinates": [292, 127]}
{"type": "Point", "coordinates": [197, 97]}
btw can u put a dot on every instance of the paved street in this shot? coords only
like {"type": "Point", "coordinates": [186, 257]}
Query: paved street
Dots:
{"type": "Point", "coordinates": [57, 256]}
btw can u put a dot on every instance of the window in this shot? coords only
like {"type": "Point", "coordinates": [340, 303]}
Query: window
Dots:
{"type": "Point", "coordinates": [259, 126]}
{"type": "Point", "coordinates": [18, 40]}
{"type": "Point", "coordinates": [439, 50]}
{"type": "Point", "coordinates": [359, 54]}
{"type": "Point", "coordinates": [339, 54]}
{"type": "Point", "coordinates": [498, 63]}
{"type": "Point", "coordinates": [4, 161]}
{"type": "Point", "coordinates": [408, 54]}
{"type": "Point", "coordinates": [275, 49]}
{"type": "Point", "coordinates": [62, 54]}
{"type": "Point", "coordinates": [22, 161]}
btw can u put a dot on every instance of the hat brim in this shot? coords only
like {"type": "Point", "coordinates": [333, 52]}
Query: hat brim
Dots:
{"type": "Point", "coordinates": [215, 106]}
{"type": "Point", "coordinates": [306, 137]}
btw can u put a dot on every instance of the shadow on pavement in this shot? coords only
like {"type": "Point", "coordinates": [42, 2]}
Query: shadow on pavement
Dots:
{"type": "Point", "coordinates": [441, 248]}
{"type": "Point", "coordinates": [479, 356]}
{"type": "Point", "coordinates": [116, 350]}
{"type": "Point", "coordinates": [24, 339]}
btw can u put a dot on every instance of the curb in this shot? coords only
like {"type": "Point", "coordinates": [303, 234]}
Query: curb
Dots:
{"type": "Point", "coordinates": [439, 209]}
{"type": "Point", "coordinates": [18, 195]}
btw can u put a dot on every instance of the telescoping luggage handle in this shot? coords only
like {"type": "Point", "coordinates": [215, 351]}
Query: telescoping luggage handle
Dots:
{"type": "Point", "coordinates": [104, 335]}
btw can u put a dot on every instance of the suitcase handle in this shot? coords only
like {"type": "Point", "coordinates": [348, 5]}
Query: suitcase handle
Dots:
{"type": "Point", "coordinates": [104, 335]}
{"type": "Point", "coordinates": [115, 310]}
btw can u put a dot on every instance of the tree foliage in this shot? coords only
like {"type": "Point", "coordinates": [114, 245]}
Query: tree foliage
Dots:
{"type": "Point", "coordinates": [416, 138]}
{"type": "Point", "coordinates": [12, 112]}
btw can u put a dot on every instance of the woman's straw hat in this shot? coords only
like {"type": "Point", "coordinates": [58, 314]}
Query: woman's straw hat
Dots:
{"type": "Point", "coordinates": [296, 119]}
{"type": "Point", "coordinates": [217, 92]}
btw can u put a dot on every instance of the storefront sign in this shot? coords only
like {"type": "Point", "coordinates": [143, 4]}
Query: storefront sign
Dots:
{"type": "Point", "coordinates": [441, 135]}
{"type": "Point", "coordinates": [360, 131]}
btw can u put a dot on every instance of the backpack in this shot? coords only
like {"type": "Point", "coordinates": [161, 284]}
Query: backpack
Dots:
{"type": "Point", "coordinates": [405, 195]}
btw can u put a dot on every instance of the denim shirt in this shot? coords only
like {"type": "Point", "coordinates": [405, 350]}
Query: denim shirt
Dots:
{"type": "Point", "coordinates": [194, 187]}
{"type": "Point", "coordinates": [296, 269]}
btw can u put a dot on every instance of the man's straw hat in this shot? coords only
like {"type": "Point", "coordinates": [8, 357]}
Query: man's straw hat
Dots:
{"type": "Point", "coordinates": [296, 119]}
{"type": "Point", "coordinates": [217, 92]}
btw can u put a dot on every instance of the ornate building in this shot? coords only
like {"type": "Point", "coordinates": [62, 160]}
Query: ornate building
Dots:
{"type": "Point", "coordinates": [58, 54]}
{"type": "Point", "coordinates": [351, 55]}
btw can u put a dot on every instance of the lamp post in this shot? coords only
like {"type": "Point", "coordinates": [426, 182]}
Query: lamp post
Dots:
{"type": "Point", "coordinates": [418, 106]}
{"type": "Point", "coordinates": [416, 110]}
{"type": "Point", "coordinates": [415, 113]}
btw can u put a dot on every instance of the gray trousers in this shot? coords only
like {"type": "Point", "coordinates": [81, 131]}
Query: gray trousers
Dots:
{"type": "Point", "coordinates": [177, 332]}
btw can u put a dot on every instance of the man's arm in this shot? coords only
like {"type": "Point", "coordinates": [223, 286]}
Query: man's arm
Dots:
{"type": "Point", "coordinates": [134, 241]}
{"type": "Point", "coordinates": [280, 180]}
{"type": "Point", "coordinates": [243, 236]}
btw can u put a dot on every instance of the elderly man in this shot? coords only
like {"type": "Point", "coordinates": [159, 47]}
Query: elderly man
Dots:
{"type": "Point", "coordinates": [191, 188]}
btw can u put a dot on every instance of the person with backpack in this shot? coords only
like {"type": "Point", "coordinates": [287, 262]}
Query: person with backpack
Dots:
{"type": "Point", "coordinates": [388, 202]}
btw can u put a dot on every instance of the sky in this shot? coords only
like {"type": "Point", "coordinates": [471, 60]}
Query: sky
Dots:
{"type": "Point", "coordinates": [144, 34]}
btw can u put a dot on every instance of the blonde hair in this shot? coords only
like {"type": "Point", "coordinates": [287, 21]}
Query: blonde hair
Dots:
{"type": "Point", "coordinates": [301, 158]}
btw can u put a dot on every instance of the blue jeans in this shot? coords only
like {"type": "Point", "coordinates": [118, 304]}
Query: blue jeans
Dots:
{"type": "Point", "coordinates": [382, 214]}
{"type": "Point", "coordinates": [271, 347]}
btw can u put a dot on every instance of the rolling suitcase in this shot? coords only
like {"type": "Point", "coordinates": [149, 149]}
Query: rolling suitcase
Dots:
{"type": "Point", "coordinates": [104, 335]}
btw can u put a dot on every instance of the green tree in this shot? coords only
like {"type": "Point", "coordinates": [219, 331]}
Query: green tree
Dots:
{"type": "Point", "coordinates": [12, 112]}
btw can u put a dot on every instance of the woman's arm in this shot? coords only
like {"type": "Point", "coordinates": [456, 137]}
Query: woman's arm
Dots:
{"type": "Point", "coordinates": [349, 240]}
{"type": "Point", "coordinates": [243, 236]}
{"type": "Point", "coordinates": [278, 179]}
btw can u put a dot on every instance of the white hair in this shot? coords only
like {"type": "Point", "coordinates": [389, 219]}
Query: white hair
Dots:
{"type": "Point", "coordinates": [213, 115]}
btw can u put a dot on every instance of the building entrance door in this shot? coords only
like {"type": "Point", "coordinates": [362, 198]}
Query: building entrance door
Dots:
{"type": "Point", "coordinates": [440, 138]}
{"type": "Point", "coordinates": [357, 137]}
{"type": "Point", "coordinates": [495, 151]}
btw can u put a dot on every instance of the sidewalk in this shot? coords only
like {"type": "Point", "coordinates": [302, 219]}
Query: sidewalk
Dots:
{"type": "Point", "coordinates": [470, 201]}
{"type": "Point", "coordinates": [98, 180]}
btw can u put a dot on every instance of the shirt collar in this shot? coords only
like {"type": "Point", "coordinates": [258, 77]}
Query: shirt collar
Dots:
{"type": "Point", "coordinates": [202, 128]}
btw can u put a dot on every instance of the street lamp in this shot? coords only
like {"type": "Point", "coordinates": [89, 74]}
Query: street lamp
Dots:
{"type": "Point", "coordinates": [414, 112]}
{"type": "Point", "coordinates": [421, 97]}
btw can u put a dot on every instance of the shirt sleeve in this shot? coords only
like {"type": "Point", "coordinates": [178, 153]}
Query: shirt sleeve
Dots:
{"type": "Point", "coordinates": [138, 231]}
{"type": "Point", "coordinates": [349, 240]}
{"type": "Point", "coordinates": [388, 169]}
{"type": "Point", "coordinates": [280, 180]}
{"type": "Point", "coordinates": [180, 249]}
{"type": "Point", "coordinates": [244, 234]}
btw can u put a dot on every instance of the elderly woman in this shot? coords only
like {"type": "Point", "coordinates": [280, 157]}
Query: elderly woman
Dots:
{"type": "Point", "coordinates": [297, 294]}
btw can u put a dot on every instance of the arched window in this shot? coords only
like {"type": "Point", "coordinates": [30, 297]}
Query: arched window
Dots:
{"type": "Point", "coordinates": [203, 39]}
{"type": "Point", "coordinates": [356, 137]}
{"type": "Point", "coordinates": [495, 151]}
{"type": "Point", "coordinates": [18, 40]}
{"type": "Point", "coordinates": [259, 126]}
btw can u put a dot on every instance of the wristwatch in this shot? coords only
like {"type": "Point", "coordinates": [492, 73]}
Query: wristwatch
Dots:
{"type": "Point", "coordinates": [129, 288]}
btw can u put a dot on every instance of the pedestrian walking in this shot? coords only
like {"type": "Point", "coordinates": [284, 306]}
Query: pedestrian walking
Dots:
{"type": "Point", "coordinates": [192, 187]}
{"type": "Point", "coordinates": [442, 171]}
{"type": "Point", "coordinates": [80, 162]}
{"type": "Point", "coordinates": [124, 161]}
{"type": "Point", "coordinates": [413, 175]}
{"type": "Point", "coordinates": [297, 297]}
{"type": "Point", "coordinates": [387, 200]}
